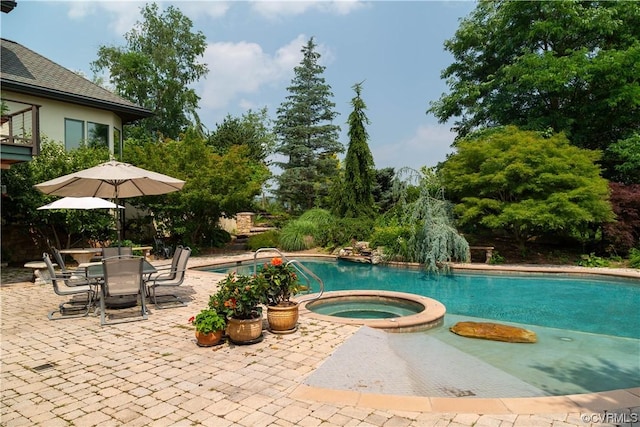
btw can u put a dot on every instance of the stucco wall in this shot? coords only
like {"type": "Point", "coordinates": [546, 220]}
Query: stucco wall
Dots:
{"type": "Point", "coordinates": [53, 113]}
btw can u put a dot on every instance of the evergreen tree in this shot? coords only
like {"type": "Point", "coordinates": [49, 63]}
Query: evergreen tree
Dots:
{"type": "Point", "coordinates": [383, 189]}
{"type": "Point", "coordinates": [307, 137]}
{"type": "Point", "coordinates": [359, 175]}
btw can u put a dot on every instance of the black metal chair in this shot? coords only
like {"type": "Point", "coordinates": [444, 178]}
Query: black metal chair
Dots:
{"type": "Point", "coordinates": [161, 249]}
{"type": "Point", "coordinates": [64, 285]}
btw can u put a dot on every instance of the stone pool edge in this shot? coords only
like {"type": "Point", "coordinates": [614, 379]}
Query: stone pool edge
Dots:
{"type": "Point", "coordinates": [588, 402]}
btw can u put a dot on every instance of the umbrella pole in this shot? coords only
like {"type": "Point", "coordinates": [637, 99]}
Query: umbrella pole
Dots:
{"type": "Point", "coordinates": [118, 221]}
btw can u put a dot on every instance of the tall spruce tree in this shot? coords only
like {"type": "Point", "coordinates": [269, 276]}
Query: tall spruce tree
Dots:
{"type": "Point", "coordinates": [307, 137]}
{"type": "Point", "coordinates": [356, 199]}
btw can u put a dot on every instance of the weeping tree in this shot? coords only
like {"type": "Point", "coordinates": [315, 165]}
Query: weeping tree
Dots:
{"type": "Point", "coordinates": [421, 208]}
{"type": "Point", "coordinates": [355, 198]}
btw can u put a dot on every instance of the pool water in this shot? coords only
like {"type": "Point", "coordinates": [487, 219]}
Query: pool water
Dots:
{"type": "Point", "coordinates": [367, 309]}
{"type": "Point", "coordinates": [606, 306]}
{"type": "Point", "coordinates": [588, 328]}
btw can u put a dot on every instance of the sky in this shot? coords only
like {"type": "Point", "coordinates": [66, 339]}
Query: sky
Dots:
{"type": "Point", "coordinates": [395, 48]}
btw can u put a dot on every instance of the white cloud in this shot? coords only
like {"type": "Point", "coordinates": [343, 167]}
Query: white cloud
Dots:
{"type": "Point", "coordinates": [198, 9]}
{"type": "Point", "coordinates": [276, 9]}
{"type": "Point", "coordinates": [240, 69]}
{"type": "Point", "coordinates": [428, 146]}
{"type": "Point", "coordinates": [121, 16]}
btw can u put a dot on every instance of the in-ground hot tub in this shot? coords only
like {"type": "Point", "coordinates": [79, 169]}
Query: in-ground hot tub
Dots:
{"type": "Point", "coordinates": [387, 310]}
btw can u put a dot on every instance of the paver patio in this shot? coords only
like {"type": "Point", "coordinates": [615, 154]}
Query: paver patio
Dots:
{"type": "Point", "coordinates": [151, 373]}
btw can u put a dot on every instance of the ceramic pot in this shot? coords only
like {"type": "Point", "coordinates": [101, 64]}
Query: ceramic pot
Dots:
{"type": "Point", "coordinates": [210, 339]}
{"type": "Point", "coordinates": [282, 318]}
{"type": "Point", "coordinates": [245, 331]}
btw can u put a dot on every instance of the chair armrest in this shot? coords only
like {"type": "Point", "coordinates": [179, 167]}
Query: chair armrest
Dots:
{"type": "Point", "coordinates": [72, 283]}
{"type": "Point", "coordinates": [160, 276]}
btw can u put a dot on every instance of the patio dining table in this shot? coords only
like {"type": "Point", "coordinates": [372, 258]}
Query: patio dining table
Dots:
{"type": "Point", "coordinates": [82, 255]}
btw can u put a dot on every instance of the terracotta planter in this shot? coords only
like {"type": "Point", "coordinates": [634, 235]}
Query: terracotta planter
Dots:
{"type": "Point", "coordinates": [283, 318]}
{"type": "Point", "coordinates": [245, 331]}
{"type": "Point", "coordinates": [210, 339]}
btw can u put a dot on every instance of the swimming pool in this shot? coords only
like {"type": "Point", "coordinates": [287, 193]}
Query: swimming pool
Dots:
{"type": "Point", "coordinates": [607, 306]}
{"type": "Point", "coordinates": [588, 331]}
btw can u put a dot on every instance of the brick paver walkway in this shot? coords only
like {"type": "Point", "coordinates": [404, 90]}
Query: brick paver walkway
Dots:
{"type": "Point", "coordinates": [151, 373]}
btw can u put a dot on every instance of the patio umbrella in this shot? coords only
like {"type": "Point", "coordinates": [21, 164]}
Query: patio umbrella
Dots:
{"type": "Point", "coordinates": [111, 180]}
{"type": "Point", "coordinates": [81, 203]}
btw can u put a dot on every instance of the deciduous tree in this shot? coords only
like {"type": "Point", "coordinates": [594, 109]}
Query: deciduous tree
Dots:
{"type": "Point", "coordinates": [526, 184]}
{"type": "Point", "coordinates": [252, 130]}
{"type": "Point", "coordinates": [216, 184]}
{"type": "Point", "coordinates": [60, 228]}
{"type": "Point", "coordinates": [623, 234]}
{"type": "Point", "coordinates": [156, 69]}
{"type": "Point", "coordinates": [569, 66]}
{"type": "Point", "coordinates": [624, 162]}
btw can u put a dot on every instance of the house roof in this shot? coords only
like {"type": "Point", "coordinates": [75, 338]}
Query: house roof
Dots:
{"type": "Point", "coordinates": [25, 71]}
{"type": "Point", "coordinates": [8, 5]}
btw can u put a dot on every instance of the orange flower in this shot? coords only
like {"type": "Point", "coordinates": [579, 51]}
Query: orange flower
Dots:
{"type": "Point", "coordinates": [276, 261]}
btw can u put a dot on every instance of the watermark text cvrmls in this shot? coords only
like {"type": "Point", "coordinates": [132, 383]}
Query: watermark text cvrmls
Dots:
{"type": "Point", "coordinates": [611, 418]}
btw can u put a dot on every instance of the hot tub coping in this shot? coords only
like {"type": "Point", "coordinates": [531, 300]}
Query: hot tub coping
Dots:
{"type": "Point", "coordinates": [430, 317]}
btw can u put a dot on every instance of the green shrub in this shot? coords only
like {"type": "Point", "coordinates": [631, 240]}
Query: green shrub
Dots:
{"type": "Point", "coordinates": [393, 238]}
{"type": "Point", "coordinates": [342, 231]}
{"type": "Point", "coordinates": [217, 238]}
{"type": "Point", "coordinates": [317, 216]}
{"type": "Point", "coordinates": [592, 260]}
{"type": "Point", "coordinates": [268, 239]}
{"type": "Point", "coordinates": [496, 258]}
{"type": "Point", "coordinates": [298, 235]}
{"type": "Point", "coordinates": [321, 220]}
{"type": "Point", "coordinates": [634, 258]}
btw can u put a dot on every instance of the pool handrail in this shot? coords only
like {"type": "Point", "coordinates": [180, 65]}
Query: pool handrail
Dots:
{"type": "Point", "coordinates": [297, 265]}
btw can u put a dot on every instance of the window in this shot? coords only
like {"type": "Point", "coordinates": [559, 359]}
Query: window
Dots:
{"type": "Point", "coordinates": [73, 133]}
{"type": "Point", "coordinates": [97, 134]}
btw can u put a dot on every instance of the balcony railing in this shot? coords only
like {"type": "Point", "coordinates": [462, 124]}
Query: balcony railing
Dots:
{"type": "Point", "coordinates": [19, 132]}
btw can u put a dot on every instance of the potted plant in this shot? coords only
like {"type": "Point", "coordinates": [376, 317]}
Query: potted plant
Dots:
{"type": "Point", "coordinates": [238, 298]}
{"type": "Point", "coordinates": [210, 326]}
{"type": "Point", "coordinates": [281, 283]}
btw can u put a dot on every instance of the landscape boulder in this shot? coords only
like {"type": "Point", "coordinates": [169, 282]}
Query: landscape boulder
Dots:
{"type": "Point", "coordinates": [494, 331]}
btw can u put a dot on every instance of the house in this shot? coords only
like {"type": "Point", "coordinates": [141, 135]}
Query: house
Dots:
{"type": "Point", "coordinates": [41, 98]}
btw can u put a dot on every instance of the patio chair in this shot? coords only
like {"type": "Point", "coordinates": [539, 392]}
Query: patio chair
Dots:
{"type": "Point", "coordinates": [75, 275]}
{"type": "Point", "coordinates": [66, 286]}
{"type": "Point", "coordinates": [160, 249]}
{"type": "Point", "coordinates": [170, 276]}
{"type": "Point", "coordinates": [122, 277]}
{"type": "Point", "coordinates": [115, 251]}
